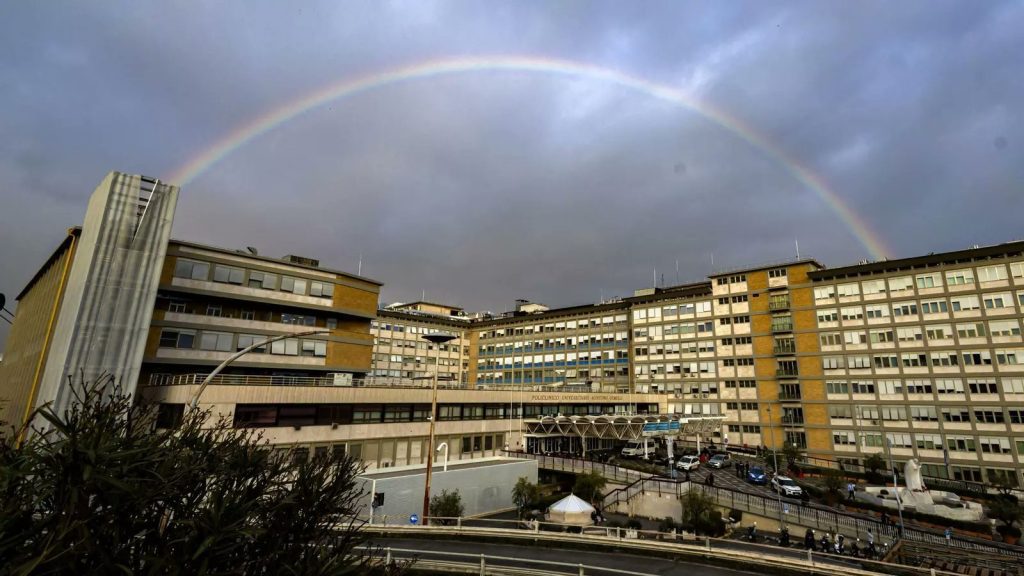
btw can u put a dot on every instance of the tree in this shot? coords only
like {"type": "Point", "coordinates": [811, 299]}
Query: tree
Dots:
{"type": "Point", "coordinates": [700, 513]}
{"type": "Point", "coordinates": [588, 486]}
{"type": "Point", "coordinates": [1005, 509]}
{"type": "Point", "coordinates": [792, 453]}
{"type": "Point", "coordinates": [524, 494]}
{"type": "Point", "coordinates": [834, 483]}
{"type": "Point", "coordinates": [446, 505]}
{"type": "Point", "coordinates": [874, 463]}
{"type": "Point", "coordinates": [96, 489]}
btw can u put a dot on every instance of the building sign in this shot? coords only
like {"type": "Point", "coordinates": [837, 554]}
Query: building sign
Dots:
{"type": "Point", "coordinates": [655, 428]}
{"type": "Point", "coordinates": [576, 397]}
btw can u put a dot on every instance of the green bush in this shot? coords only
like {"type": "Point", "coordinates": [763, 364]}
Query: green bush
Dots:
{"type": "Point", "coordinates": [446, 505]}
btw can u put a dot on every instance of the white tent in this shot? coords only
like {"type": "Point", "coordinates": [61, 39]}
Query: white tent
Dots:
{"type": "Point", "coordinates": [572, 511]}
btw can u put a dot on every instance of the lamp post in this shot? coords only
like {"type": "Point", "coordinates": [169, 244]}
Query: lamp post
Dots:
{"type": "Point", "coordinates": [775, 457]}
{"type": "Point", "coordinates": [895, 485]}
{"type": "Point", "coordinates": [194, 401]}
{"type": "Point", "coordinates": [437, 338]}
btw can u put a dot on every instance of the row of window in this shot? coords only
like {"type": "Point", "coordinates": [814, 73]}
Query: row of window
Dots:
{"type": "Point", "coordinates": [992, 302]}
{"type": "Point", "coordinates": [554, 327]}
{"type": "Point", "coordinates": [231, 342]}
{"type": "Point", "coordinates": [926, 386]}
{"type": "Point", "coordinates": [1003, 357]}
{"type": "Point", "coordinates": [570, 343]}
{"type": "Point", "coordinates": [953, 278]}
{"type": "Point", "coordinates": [417, 345]}
{"type": "Point", "coordinates": [935, 333]}
{"type": "Point", "coordinates": [865, 414]}
{"type": "Point", "coordinates": [196, 270]}
{"type": "Point", "coordinates": [954, 443]}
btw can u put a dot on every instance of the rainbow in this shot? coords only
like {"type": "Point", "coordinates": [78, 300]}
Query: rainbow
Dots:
{"type": "Point", "coordinates": [466, 65]}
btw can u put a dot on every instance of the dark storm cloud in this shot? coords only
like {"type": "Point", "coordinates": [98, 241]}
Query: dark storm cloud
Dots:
{"type": "Point", "coordinates": [482, 188]}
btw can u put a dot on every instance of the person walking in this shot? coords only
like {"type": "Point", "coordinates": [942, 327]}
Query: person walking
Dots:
{"type": "Point", "coordinates": [850, 489]}
{"type": "Point", "coordinates": [711, 479]}
{"type": "Point", "coordinates": [949, 536]}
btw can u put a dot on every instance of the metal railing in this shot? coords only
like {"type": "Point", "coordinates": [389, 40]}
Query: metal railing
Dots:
{"type": "Point", "coordinates": [804, 514]}
{"type": "Point", "coordinates": [578, 466]}
{"type": "Point", "coordinates": [669, 545]}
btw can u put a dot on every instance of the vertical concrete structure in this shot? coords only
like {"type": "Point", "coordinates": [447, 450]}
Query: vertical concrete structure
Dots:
{"type": "Point", "coordinates": [106, 297]}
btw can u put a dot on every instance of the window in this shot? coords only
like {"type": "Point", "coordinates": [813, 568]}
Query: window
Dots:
{"type": "Point", "coordinates": [992, 273]}
{"type": "Point", "coordinates": [777, 273]}
{"type": "Point", "coordinates": [247, 315]}
{"type": "Point", "coordinates": [960, 444]}
{"type": "Point", "coordinates": [246, 340]}
{"type": "Point", "coordinates": [1013, 385]}
{"type": "Point", "coordinates": [959, 277]}
{"type": "Point", "coordinates": [929, 281]}
{"type": "Point", "coordinates": [741, 320]}
{"type": "Point", "coordinates": [1004, 328]}
{"type": "Point", "coordinates": [976, 330]}
{"type": "Point", "coordinates": [293, 285]}
{"type": "Point", "coordinates": [991, 445]}
{"type": "Point", "coordinates": [176, 338]}
{"type": "Point", "coordinates": [828, 315]}
{"type": "Point", "coordinates": [977, 359]}
{"type": "Point", "coordinates": [858, 362]}
{"type": "Point", "coordinates": [841, 411]}
{"type": "Point", "coordinates": [191, 269]}
{"type": "Point", "coordinates": [214, 310]}
{"type": "Point", "coordinates": [873, 286]}
{"type": "Point", "coordinates": [287, 347]}
{"type": "Point", "coordinates": [914, 360]}
{"type": "Point", "coordinates": [853, 313]}
{"type": "Point", "coordinates": [904, 309]}
{"type": "Point", "coordinates": [928, 441]}
{"type": "Point", "coordinates": [1016, 415]}
{"type": "Point", "coordinates": [262, 280]}
{"type": "Point", "coordinates": [724, 321]}
{"type": "Point", "coordinates": [825, 293]}
{"type": "Point", "coordinates": [949, 386]}
{"type": "Point", "coordinates": [982, 387]}
{"type": "Point", "coordinates": [886, 362]}
{"type": "Point", "coordinates": [863, 387]}
{"type": "Point", "coordinates": [945, 359]}
{"type": "Point", "coordinates": [832, 362]}
{"type": "Point", "coordinates": [837, 387]}
{"type": "Point", "coordinates": [739, 299]}
{"type": "Point", "coordinates": [852, 289]}
{"type": "Point", "coordinates": [178, 307]}
{"type": "Point", "coordinates": [900, 283]}
{"type": "Point", "coordinates": [321, 289]}
{"type": "Point", "coordinates": [228, 274]}
{"type": "Point", "coordinates": [923, 414]}
{"type": "Point", "coordinates": [961, 303]}
{"type": "Point", "coordinates": [298, 319]}
{"type": "Point", "coordinates": [854, 338]}
{"type": "Point", "coordinates": [1010, 357]}
{"type": "Point", "coordinates": [939, 332]}
{"type": "Point", "coordinates": [881, 336]}
{"type": "Point", "coordinates": [912, 334]}
{"type": "Point", "coordinates": [877, 311]}
{"type": "Point", "coordinates": [216, 341]}
{"type": "Point", "coordinates": [934, 306]}
{"type": "Point", "coordinates": [830, 339]}
{"type": "Point", "coordinates": [956, 414]}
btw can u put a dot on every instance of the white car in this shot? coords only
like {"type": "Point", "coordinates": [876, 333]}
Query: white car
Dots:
{"type": "Point", "coordinates": [688, 463]}
{"type": "Point", "coordinates": [785, 485]}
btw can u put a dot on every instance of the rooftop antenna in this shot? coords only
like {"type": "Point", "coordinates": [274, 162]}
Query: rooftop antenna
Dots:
{"type": "Point", "coordinates": [677, 271]}
{"type": "Point", "coordinates": [655, 276]}
{"type": "Point", "coordinates": [797, 242]}
{"type": "Point", "coordinates": [602, 296]}
{"type": "Point", "coordinates": [423, 296]}
{"type": "Point", "coordinates": [712, 261]}
{"type": "Point", "coordinates": [359, 271]}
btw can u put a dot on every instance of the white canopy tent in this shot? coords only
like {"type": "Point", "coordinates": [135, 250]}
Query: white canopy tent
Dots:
{"type": "Point", "coordinates": [572, 511]}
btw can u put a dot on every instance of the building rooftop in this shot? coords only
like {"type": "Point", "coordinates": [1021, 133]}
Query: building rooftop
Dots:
{"type": "Point", "coordinates": [972, 254]}
{"type": "Point", "coordinates": [766, 266]}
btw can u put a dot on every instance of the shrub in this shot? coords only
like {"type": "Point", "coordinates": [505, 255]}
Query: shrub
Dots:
{"type": "Point", "coordinates": [446, 505]}
{"type": "Point", "coordinates": [588, 486]}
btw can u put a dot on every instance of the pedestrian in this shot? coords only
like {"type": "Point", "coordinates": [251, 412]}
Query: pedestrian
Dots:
{"type": "Point", "coordinates": [687, 474]}
{"type": "Point", "coordinates": [850, 489]}
{"type": "Point", "coordinates": [809, 539]}
{"type": "Point", "coordinates": [711, 479]}
{"type": "Point", "coordinates": [949, 536]}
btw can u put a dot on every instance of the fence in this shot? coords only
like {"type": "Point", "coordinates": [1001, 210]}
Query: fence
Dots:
{"type": "Point", "coordinates": [579, 466]}
{"type": "Point", "coordinates": [809, 515]}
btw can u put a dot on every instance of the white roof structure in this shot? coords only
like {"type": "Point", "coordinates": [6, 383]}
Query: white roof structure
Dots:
{"type": "Point", "coordinates": [571, 510]}
{"type": "Point", "coordinates": [622, 427]}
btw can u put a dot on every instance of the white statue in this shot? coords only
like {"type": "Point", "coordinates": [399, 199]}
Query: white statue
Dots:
{"type": "Point", "coordinates": [912, 476]}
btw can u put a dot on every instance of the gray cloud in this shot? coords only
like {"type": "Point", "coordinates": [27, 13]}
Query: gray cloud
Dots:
{"type": "Point", "coordinates": [482, 188]}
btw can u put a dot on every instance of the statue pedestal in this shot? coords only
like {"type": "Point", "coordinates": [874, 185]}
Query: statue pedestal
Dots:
{"type": "Point", "coordinates": [934, 502]}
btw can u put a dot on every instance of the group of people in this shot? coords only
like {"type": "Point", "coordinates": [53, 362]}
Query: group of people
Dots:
{"type": "Point", "coordinates": [741, 469]}
{"type": "Point", "coordinates": [834, 543]}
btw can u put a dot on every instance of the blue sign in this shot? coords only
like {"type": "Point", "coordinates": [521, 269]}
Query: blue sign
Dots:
{"type": "Point", "coordinates": [672, 426]}
{"type": "Point", "coordinates": [414, 519]}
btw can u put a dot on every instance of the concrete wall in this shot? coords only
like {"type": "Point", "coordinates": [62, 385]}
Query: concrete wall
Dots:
{"type": "Point", "coordinates": [485, 487]}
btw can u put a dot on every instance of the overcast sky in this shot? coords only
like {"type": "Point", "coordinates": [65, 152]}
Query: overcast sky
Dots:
{"type": "Point", "coordinates": [481, 188]}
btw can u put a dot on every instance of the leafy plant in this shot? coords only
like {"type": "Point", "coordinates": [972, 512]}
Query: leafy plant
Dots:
{"type": "Point", "coordinates": [96, 489]}
{"type": "Point", "coordinates": [446, 505]}
{"type": "Point", "coordinates": [525, 494]}
{"type": "Point", "coordinates": [1006, 510]}
{"type": "Point", "coordinates": [874, 463]}
{"type": "Point", "coordinates": [700, 514]}
{"type": "Point", "coordinates": [588, 486]}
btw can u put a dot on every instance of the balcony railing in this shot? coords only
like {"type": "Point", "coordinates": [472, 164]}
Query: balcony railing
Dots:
{"type": "Point", "coordinates": [782, 327]}
{"type": "Point", "coordinates": [778, 305]}
{"type": "Point", "coordinates": [787, 372]}
{"type": "Point", "coordinates": [784, 349]}
{"type": "Point", "coordinates": [789, 396]}
{"type": "Point", "coordinates": [792, 421]}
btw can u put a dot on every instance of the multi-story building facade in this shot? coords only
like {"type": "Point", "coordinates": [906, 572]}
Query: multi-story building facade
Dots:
{"type": "Point", "coordinates": [400, 353]}
{"type": "Point", "coordinates": [917, 358]}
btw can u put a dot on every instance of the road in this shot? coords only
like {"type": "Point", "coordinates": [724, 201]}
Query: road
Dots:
{"type": "Point", "coordinates": [551, 552]}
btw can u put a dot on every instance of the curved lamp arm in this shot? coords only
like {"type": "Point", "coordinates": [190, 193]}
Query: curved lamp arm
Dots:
{"type": "Point", "coordinates": [194, 402]}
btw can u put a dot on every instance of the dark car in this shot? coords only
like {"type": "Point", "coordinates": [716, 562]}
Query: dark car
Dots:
{"type": "Point", "coordinates": [756, 475]}
{"type": "Point", "coordinates": [720, 460]}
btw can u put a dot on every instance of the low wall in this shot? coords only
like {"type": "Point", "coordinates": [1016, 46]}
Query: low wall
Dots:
{"type": "Point", "coordinates": [485, 487]}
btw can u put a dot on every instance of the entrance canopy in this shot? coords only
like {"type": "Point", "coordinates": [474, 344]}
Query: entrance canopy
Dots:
{"type": "Point", "coordinates": [622, 427]}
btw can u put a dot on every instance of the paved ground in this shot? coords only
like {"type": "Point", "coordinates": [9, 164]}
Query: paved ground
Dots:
{"type": "Point", "coordinates": [549, 552]}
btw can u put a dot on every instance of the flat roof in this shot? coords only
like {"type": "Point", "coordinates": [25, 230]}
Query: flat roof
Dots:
{"type": "Point", "coordinates": [406, 304]}
{"type": "Point", "coordinates": [273, 260]}
{"type": "Point", "coordinates": [57, 252]}
{"type": "Point", "coordinates": [460, 465]}
{"type": "Point", "coordinates": [767, 266]}
{"type": "Point", "coordinates": [1015, 248]}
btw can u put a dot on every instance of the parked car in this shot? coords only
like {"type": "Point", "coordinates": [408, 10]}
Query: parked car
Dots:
{"type": "Point", "coordinates": [720, 460]}
{"type": "Point", "coordinates": [756, 475]}
{"type": "Point", "coordinates": [635, 449]}
{"type": "Point", "coordinates": [786, 486]}
{"type": "Point", "coordinates": [690, 463]}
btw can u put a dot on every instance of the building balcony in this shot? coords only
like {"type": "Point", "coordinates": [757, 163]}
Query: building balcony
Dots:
{"type": "Point", "coordinates": [789, 397]}
{"type": "Point", "coordinates": [784, 349]}
{"type": "Point", "coordinates": [787, 373]}
{"type": "Point", "coordinates": [780, 327]}
{"type": "Point", "coordinates": [792, 421]}
{"type": "Point", "coordinates": [778, 305]}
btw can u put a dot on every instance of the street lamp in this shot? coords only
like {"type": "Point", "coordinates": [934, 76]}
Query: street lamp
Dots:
{"type": "Point", "coordinates": [895, 485]}
{"type": "Point", "coordinates": [775, 457]}
{"type": "Point", "coordinates": [437, 338]}
{"type": "Point", "coordinates": [194, 402]}
{"type": "Point", "coordinates": [3, 302]}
